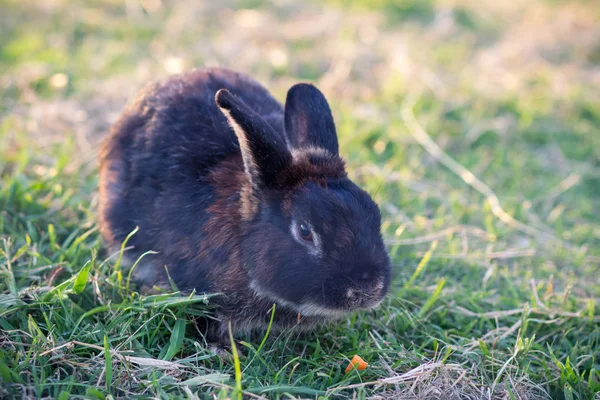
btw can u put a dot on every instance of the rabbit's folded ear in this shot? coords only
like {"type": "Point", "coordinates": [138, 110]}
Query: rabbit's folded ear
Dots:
{"type": "Point", "coordinates": [308, 119]}
{"type": "Point", "coordinates": [264, 151]}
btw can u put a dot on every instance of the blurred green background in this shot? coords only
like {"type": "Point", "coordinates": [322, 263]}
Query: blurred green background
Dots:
{"type": "Point", "coordinates": [505, 295]}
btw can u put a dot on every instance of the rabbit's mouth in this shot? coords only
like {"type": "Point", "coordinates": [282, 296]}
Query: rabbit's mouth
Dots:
{"type": "Point", "coordinates": [351, 300]}
{"type": "Point", "coordinates": [316, 310]}
{"type": "Point", "coordinates": [354, 300]}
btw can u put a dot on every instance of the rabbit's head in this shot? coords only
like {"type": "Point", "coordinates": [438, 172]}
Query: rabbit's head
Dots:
{"type": "Point", "coordinates": [312, 239]}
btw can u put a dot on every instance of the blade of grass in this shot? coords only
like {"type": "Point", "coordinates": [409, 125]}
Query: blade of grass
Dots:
{"type": "Point", "coordinates": [118, 263]}
{"type": "Point", "coordinates": [107, 364]}
{"type": "Point", "coordinates": [265, 337]}
{"type": "Point", "coordinates": [422, 264]}
{"type": "Point", "coordinates": [10, 277]}
{"type": "Point", "coordinates": [135, 265]}
{"type": "Point", "coordinates": [82, 276]}
{"type": "Point", "coordinates": [176, 340]}
{"type": "Point", "coordinates": [236, 365]}
{"type": "Point", "coordinates": [434, 296]}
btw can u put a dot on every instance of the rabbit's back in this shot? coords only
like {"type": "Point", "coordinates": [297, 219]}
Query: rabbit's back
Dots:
{"type": "Point", "coordinates": [156, 163]}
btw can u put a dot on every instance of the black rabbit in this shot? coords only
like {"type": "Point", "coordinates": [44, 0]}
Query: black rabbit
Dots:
{"type": "Point", "coordinates": [242, 197]}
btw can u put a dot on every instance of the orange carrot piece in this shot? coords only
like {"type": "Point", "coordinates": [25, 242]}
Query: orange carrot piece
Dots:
{"type": "Point", "coordinates": [357, 362]}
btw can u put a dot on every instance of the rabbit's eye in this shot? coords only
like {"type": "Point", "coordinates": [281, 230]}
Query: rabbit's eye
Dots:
{"type": "Point", "coordinates": [305, 232]}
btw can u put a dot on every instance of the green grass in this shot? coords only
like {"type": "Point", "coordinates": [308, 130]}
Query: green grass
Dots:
{"type": "Point", "coordinates": [479, 307]}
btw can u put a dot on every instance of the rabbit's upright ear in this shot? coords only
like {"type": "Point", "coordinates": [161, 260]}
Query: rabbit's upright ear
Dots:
{"type": "Point", "coordinates": [264, 151]}
{"type": "Point", "coordinates": [308, 119]}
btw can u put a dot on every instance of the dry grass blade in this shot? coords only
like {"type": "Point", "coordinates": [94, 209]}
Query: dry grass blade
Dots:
{"type": "Point", "coordinates": [141, 361]}
{"type": "Point", "coordinates": [421, 136]}
{"type": "Point", "coordinates": [472, 231]}
{"type": "Point", "coordinates": [487, 256]}
{"type": "Point", "coordinates": [548, 312]}
{"type": "Point", "coordinates": [409, 376]}
{"type": "Point", "coordinates": [151, 362]}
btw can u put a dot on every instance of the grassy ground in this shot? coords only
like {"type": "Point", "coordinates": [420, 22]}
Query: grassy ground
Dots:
{"type": "Point", "coordinates": [475, 125]}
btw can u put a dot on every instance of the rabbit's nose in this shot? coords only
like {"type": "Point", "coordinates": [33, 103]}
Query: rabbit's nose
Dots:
{"type": "Point", "coordinates": [353, 296]}
{"type": "Point", "coordinates": [378, 290]}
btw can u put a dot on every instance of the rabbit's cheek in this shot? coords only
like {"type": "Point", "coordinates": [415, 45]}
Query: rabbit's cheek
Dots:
{"type": "Point", "coordinates": [265, 293]}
